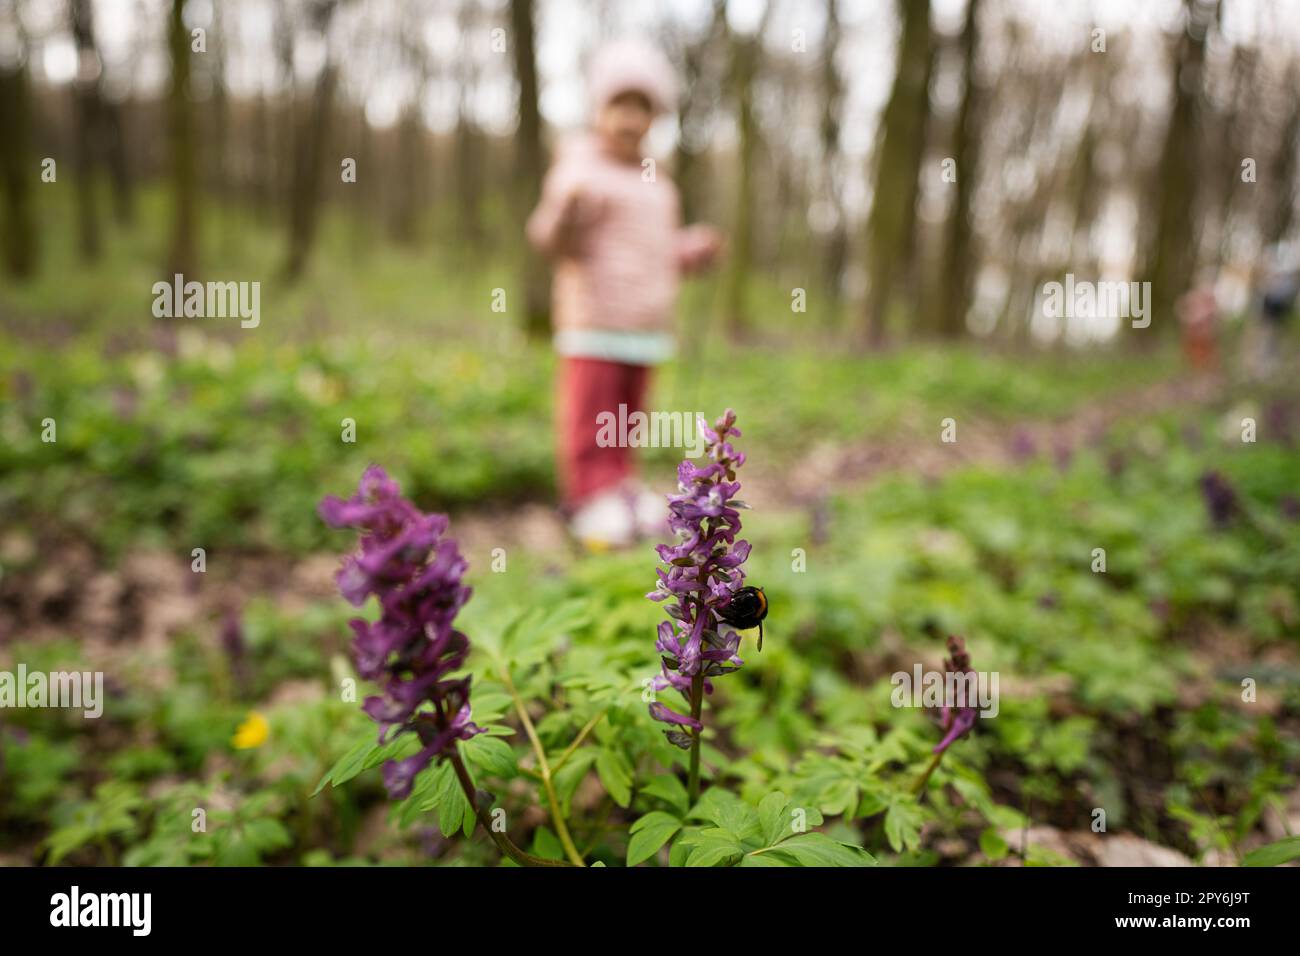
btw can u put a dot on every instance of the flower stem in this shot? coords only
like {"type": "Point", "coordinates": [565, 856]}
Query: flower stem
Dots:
{"type": "Point", "coordinates": [697, 708]}
{"type": "Point", "coordinates": [924, 778]}
{"type": "Point", "coordinates": [548, 783]}
{"type": "Point", "coordinates": [577, 742]}
{"type": "Point", "coordinates": [503, 842]}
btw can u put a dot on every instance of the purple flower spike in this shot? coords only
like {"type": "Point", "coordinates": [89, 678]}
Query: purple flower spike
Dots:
{"type": "Point", "coordinates": [1220, 498]}
{"type": "Point", "coordinates": [417, 576]}
{"type": "Point", "coordinates": [956, 721]}
{"type": "Point", "coordinates": [702, 573]}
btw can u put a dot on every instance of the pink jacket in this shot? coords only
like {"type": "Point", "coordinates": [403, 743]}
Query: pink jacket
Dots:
{"type": "Point", "coordinates": [615, 234]}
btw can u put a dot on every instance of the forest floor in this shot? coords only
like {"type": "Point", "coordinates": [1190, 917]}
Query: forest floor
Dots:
{"type": "Point", "coordinates": [151, 595]}
{"type": "Point", "coordinates": [152, 591]}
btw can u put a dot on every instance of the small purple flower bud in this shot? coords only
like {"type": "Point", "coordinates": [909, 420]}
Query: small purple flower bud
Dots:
{"type": "Point", "coordinates": [1220, 498]}
{"type": "Point", "coordinates": [956, 721]}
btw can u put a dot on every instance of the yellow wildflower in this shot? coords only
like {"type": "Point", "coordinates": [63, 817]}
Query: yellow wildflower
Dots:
{"type": "Point", "coordinates": [252, 732]}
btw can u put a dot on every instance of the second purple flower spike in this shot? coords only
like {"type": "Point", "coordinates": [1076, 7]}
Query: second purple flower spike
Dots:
{"type": "Point", "coordinates": [702, 573]}
{"type": "Point", "coordinates": [417, 576]}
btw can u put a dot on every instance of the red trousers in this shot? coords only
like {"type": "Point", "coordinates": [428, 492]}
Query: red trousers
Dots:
{"type": "Point", "coordinates": [586, 389]}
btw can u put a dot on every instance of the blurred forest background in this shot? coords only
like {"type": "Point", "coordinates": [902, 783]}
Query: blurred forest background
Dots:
{"type": "Point", "coordinates": [910, 172]}
{"type": "Point", "coordinates": [1102, 138]}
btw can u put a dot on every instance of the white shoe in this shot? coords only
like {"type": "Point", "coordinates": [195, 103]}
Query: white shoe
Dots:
{"type": "Point", "coordinates": [607, 521]}
{"type": "Point", "coordinates": [651, 513]}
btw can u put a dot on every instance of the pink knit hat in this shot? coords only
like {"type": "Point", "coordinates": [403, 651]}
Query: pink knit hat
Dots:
{"type": "Point", "coordinates": [632, 66]}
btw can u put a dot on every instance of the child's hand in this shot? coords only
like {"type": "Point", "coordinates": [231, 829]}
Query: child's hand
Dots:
{"type": "Point", "coordinates": [699, 247]}
{"type": "Point", "coordinates": [581, 208]}
{"type": "Point", "coordinates": [579, 212]}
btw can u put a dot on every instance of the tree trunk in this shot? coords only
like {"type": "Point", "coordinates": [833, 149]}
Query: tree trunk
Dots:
{"type": "Point", "coordinates": [16, 172]}
{"type": "Point", "coordinates": [469, 183]}
{"type": "Point", "coordinates": [309, 156]}
{"type": "Point", "coordinates": [312, 135]}
{"type": "Point", "coordinates": [956, 273]}
{"type": "Point", "coordinates": [835, 246]}
{"type": "Point", "coordinates": [119, 163]}
{"type": "Point", "coordinates": [467, 145]}
{"type": "Point", "coordinates": [893, 206]}
{"type": "Point", "coordinates": [182, 256]}
{"type": "Point", "coordinates": [741, 246]}
{"type": "Point", "coordinates": [1171, 250]}
{"type": "Point", "coordinates": [529, 161]}
{"type": "Point", "coordinates": [690, 106]}
{"type": "Point", "coordinates": [412, 167]}
{"type": "Point", "coordinates": [86, 94]}
{"type": "Point", "coordinates": [1279, 212]}
{"type": "Point", "coordinates": [745, 53]}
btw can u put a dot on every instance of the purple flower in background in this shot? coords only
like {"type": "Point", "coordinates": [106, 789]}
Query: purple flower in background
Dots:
{"type": "Point", "coordinates": [703, 571]}
{"type": "Point", "coordinates": [417, 576]}
{"type": "Point", "coordinates": [1279, 421]}
{"type": "Point", "coordinates": [1290, 506]}
{"type": "Point", "coordinates": [1116, 462]}
{"type": "Point", "coordinates": [1063, 452]}
{"type": "Point", "coordinates": [1023, 446]}
{"type": "Point", "coordinates": [235, 646]}
{"type": "Point", "coordinates": [232, 635]}
{"type": "Point", "coordinates": [1220, 498]}
{"type": "Point", "coordinates": [956, 721]}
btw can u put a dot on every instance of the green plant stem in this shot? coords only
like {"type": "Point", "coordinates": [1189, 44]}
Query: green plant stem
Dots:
{"type": "Point", "coordinates": [697, 708]}
{"type": "Point", "coordinates": [919, 787]}
{"type": "Point", "coordinates": [548, 782]}
{"type": "Point", "coordinates": [577, 742]}
{"type": "Point", "coordinates": [602, 826]}
{"type": "Point", "coordinates": [106, 848]}
{"type": "Point", "coordinates": [503, 842]}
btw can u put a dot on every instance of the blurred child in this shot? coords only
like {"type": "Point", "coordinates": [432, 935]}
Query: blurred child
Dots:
{"type": "Point", "coordinates": [1280, 287]}
{"type": "Point", "coordinates": [611, 223]}
{"type": "Point", "coordinates": [1198, 319]}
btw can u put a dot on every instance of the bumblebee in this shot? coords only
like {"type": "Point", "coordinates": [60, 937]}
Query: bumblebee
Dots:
{"type": "Point", "coordinates": [747, 608]}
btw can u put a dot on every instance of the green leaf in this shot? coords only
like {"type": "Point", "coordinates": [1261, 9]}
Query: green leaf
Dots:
{"type": "Point", "coordinates": [838, 797]}
{"type": "Point", "coordinates": [237, 851]}
{"type": "Point", "coordinates": [570, 775]}
{"type": "Point", "coordinates": [975, 794]}
{"type": "Point", "coordinates": [65, 840]}
{"type": "Point", "coordinates": [903, 825]}
{"type": "Point", "coordinates": [453, 810]}
{"type": "Point", "coordinates": [872, 804]}
{"type": "Point", "coordinates": [533, 630]}
{"type": "Point", "coordinates": [650, 833]}
{"type": "Point", "coordinates": [780, 818]}
{"type": "Point", "coordinates": [1275, 854]}
{"type": "Point", "coordinates": [547, 845]}
{"type": "Point", "coordinates": [490, 706]}
{"type": "Point", "coordinates": [715, 847]}
{"type": "Point", "coordinates": [817, 849]}
{"type": "Point", "coordinates": [727, 811]}
{"type": "Point", "coordinates": [671, 790]}
{"type": "Point", "coordinates": [683, 847]}
{"type": "Point", "coordinates": [760, 858]}
{"type": "Point", "coordinates": [492, 755]}
{"type": "Point", "coordinates": [615, 775]}
{"type": "Point", "coordinates": [771, 817]}
{"type": "Point", "coordinates": [446, 796]}
{"type": "Point", "coordinates": [347, 766]}
{"type": "Point", "coordinates": [992, 845]}
{"type": "Point", "coordinates": [366, 754]}
{"type": "Point", "coordinates": [267, 834]}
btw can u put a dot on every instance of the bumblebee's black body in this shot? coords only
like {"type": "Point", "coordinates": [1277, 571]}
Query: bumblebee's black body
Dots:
{"type": "Point", "coordinates": [747, 608]}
